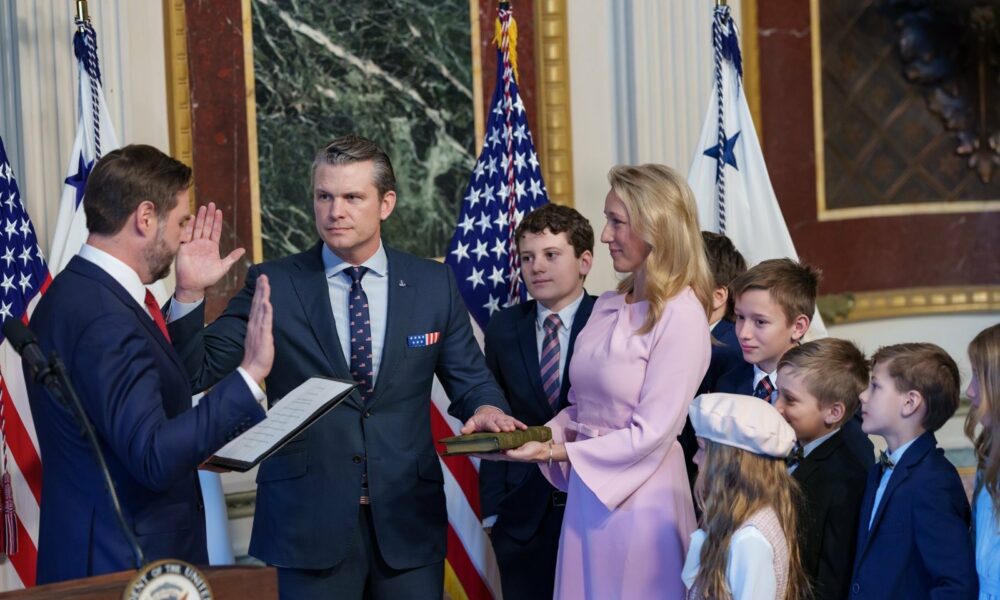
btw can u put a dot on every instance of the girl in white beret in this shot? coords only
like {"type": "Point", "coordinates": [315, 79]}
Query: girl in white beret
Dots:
{"type": "Point", "coordinates": [746, 548]}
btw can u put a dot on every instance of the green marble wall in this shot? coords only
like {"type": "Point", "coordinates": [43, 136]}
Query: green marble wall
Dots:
{"type": "Point", "coordinates": [399, 73]}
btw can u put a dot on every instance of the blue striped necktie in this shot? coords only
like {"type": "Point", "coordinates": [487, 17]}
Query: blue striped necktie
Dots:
{"type": "Point", "coordinates": [549, 363]}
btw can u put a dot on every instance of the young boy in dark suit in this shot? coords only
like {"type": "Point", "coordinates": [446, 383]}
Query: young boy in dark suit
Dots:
{"type": "Point", "coordinates": [774, 304]}
{"type": "Point", "coordinates": [913, 534]}
{"type": "Point", "coordinates": [528, 347]}
{"type": "Point", "coordinates": [820, 383]}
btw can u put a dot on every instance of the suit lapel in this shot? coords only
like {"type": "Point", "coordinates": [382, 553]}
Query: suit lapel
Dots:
{"type": "Point", "coordinates": [314, 294]}
{"type": "Point", "coordinates": [901, 472]}
{"type": "Point", "coordinates": [811, 463]}
{"type": "Point", "coordinates": [401, 297]}
{"type": "Point", "coordinates": [871, 488]}
{"type": "Point", "coordinates": [528, 341]}
{"type": "Point", "coordinates": [91, 271]}
{"type": "Point", "coordinates": [582, 315]}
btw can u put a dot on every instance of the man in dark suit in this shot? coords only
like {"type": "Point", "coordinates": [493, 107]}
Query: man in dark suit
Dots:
{"type": "Point", "coordinates": [354, 507]}
{"type": "Point", "coordinates": [528, 348]}
{"type": "Point", "coordinates": [108, 329]}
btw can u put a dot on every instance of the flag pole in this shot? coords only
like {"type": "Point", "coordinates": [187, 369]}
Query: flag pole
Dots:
{"type": "Point", "coordinates": [81, 14]}
{"type": "Point", "coordinates": [717, 2]}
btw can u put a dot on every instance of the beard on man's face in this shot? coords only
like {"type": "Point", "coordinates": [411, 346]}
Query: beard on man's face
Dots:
{"type": "Point", "coordinates": [158, 257]}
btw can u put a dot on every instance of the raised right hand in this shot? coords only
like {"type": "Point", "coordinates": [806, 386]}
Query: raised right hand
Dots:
{"type": "Point", "coordinates": [258, 348]}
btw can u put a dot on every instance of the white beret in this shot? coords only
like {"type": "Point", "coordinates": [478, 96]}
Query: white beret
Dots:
{"type": "Point", "coordinates": [743, 422]}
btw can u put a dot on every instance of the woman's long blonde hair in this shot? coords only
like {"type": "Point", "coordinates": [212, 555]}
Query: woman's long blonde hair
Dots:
{"type": "Point", "coordinates": [732, 485]}
{"type": "Point", "coordinates": [984, 354]}
{"type": "Point", "coordinates": [662, 212]}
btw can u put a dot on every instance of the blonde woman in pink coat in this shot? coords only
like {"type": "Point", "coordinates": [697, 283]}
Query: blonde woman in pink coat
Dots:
{"type": "Point", "coordinates": [635, 369]}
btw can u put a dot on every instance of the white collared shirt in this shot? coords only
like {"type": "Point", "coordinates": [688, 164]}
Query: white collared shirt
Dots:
{"type": "Point", "coordinates": [376, 286]}
{"type": "Point", "coordinates": [123, 274]}
{"type": "Point", "coordinates": [896, 455]}
{"type": "Point", "coordinates": [759, 374]}
{"type": "Point", "coordinates": [808, 448]}
{"type": "Point", "coordinates": [566, 315]}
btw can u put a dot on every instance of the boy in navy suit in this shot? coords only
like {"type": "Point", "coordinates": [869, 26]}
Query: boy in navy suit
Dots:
{"type": "Point", "coordinates": [913, 534]}
{"type": "Point", "coordinates": [528, 347]}
{"type": "Point", "coordinates": [820, 383]}
{"type": "Point", "coordinates": [774, 304]}
{"type": "Point", "coordinates": [726, 263]}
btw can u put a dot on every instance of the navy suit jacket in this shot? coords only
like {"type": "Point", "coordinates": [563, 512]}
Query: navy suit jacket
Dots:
{"type": "Point", "coordinates": [919, 544]}
{"type": "Point", "coordinates": [136, 393]}
{"type": "Point", "coordinates": [726, 356]}
{"type": "Point", "coordinates": [518, 493]}
{"type": "Point", "coordinates": [832, 481]}
{"type": "Point", "coordinates": [308, 492]}
{"type": "Point", "coordinates": [739, 380]}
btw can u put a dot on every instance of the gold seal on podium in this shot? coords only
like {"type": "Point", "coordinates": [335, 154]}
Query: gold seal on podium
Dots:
{"type": "Point", "coordinates": [168, 579]}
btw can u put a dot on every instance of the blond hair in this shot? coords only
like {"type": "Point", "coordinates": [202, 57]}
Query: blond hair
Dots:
{"type": "Point", "coordinates": [732, 485]}
{"type": "Point", "coordinates": [984, 354]}
{"type": "Point", "coordinates": [662, 212]}
{"type": "Point", "coordinates": [832, 370]}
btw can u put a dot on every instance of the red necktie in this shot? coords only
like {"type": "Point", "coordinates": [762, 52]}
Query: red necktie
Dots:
{"type": "Point", "coordinates": [154, 309]}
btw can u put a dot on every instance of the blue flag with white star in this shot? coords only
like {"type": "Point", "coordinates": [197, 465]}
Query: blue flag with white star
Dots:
{"type": "Point", "coordinates": [728, 174]}
{"type": "Point", "coordinates": [505, 185]}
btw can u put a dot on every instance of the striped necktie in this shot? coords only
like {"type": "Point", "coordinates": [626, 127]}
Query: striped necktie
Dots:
{"type": "Point", "coordinates": [764, 389]}
{"type": "Point", "coordinates": [549, 363]}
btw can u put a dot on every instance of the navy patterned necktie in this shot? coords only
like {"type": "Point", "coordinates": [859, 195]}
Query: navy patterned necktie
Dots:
{"type": "Point", "coordinates": [885, 461]}
{"type": "Point", "coordinates": [362, 369]}
{"type": "Point", "coordinates": [549, 363]}
{"type": "Point", "coordinates": [764, 389]}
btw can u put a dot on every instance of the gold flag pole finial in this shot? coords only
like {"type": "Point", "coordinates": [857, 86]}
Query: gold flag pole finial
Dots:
{"type": "Point", "coordinates": [81, 12]}
{"type": "Point", "coordinates": [720, 2]}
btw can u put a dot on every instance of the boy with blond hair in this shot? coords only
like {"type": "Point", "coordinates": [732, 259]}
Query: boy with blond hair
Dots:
{"type": "Point", "coordinates": [820, 383]}
{"type": "Point", "coordinates": [913, 531]}
{"type": "Point", "coordinates": [774, 304]}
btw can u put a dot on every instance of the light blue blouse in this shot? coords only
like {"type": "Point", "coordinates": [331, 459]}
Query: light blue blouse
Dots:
{"type": "Point", "coordinates": [987, 545]}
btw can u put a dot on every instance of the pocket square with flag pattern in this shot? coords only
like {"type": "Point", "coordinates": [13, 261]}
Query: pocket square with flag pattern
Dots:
{"type": "Point", "coordinates": [422, 340]}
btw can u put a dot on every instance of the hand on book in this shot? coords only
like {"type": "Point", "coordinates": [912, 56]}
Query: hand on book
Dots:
{"type": "Point", "coordinates": [531, 452]}
{"type": "Point", "coordinates": [492, 419]}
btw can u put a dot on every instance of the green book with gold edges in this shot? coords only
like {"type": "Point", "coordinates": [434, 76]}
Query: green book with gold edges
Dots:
{"type": "Point", "coordinates": [485, 442]}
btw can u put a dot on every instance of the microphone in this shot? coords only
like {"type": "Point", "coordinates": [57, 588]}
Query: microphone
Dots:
{"type": "Point", "coordinates": [51, 374]}
{"type": "Point", "coordinates": [26, 344]}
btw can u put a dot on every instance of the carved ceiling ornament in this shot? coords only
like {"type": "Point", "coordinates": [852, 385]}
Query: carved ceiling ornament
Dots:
{"type": "Point", "coordinates": [951, 48]}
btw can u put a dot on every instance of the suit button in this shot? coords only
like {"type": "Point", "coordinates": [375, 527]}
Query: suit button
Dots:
{"type": "Point", "coordinates": [367, 414]}
{"type": "Point", "coordinates": [855, 588]}
{"type": "Point", "coordinates": [356, 459]}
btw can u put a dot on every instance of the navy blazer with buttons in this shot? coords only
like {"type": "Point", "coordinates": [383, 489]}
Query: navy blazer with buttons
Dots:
{"type": "Point", "coordinates": [919, 544]}
{"type": "Point", "coordinates": [308, 492]}
{"type": "Point", "coordinates": [136, 393]}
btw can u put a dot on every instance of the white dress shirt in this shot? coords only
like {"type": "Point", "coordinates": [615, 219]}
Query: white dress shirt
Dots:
{"type": "Point", "coordinates": [566, 315]}
{"type": "Point", "coordinates": [808, 448]}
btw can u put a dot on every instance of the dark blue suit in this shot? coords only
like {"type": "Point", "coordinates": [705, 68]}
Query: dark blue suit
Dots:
{"type": "Point", "coordinates": [136, 393]}
{"type": "Point", "coordinates": [308, 492]}
{"type": "Point", "coordinates": [919, 544]}
{"type": "Point", "coordinates": [739, 380]}
{"type": "Point", "coordinates": [529, 510]}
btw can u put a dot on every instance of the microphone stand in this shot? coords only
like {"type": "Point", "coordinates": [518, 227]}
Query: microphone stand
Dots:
{"type": "Point", "coordinates": [62, 389]}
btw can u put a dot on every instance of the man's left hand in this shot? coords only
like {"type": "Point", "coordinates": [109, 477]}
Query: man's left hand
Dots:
{"type": "Point", "coordinates": [492, 419]}
{"type": "Point", "coordinates": [199, 265]}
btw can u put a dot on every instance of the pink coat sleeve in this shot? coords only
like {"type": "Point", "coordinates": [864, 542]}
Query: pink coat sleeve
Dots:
{"type": "Point", "coordinates": [558, 473]}
{"type": "Point", "coordinates": [618, 463]}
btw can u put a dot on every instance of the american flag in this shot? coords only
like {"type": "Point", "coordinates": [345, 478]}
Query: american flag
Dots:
{"type": "Point", "coordinates": [505, 185]}
{"type": "Point", "coordinates": [24, 277]}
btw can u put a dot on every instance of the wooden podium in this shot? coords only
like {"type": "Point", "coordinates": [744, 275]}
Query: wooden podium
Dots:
{"type": "Point", "coordinates": [227, 583]}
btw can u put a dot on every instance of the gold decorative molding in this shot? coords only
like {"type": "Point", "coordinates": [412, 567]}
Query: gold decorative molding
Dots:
{"type": "Point", "coordinates": [894, 210]}
{"type": "Point", "coordinates": [241, 504]}
{"type": "Point", "coordinates": [866, 306]}
{"type": "Point", "coordinates": [252, 157]}
{"type": "Point", "coordinates": [552, 79]}
{"type": "Point", "coordinates": [751, 63]}
{"type": "Point", "coordinates": [478, 102]}
{"type": "Point", "coordinates": [178, 84]}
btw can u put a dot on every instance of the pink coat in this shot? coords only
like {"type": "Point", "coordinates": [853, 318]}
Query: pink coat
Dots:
{"type": "Point", "coordinates": [629, 512]}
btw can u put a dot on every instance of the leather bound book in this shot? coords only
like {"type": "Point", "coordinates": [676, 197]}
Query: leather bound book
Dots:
{"type": "Point", "coordinates": [485, 442]}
